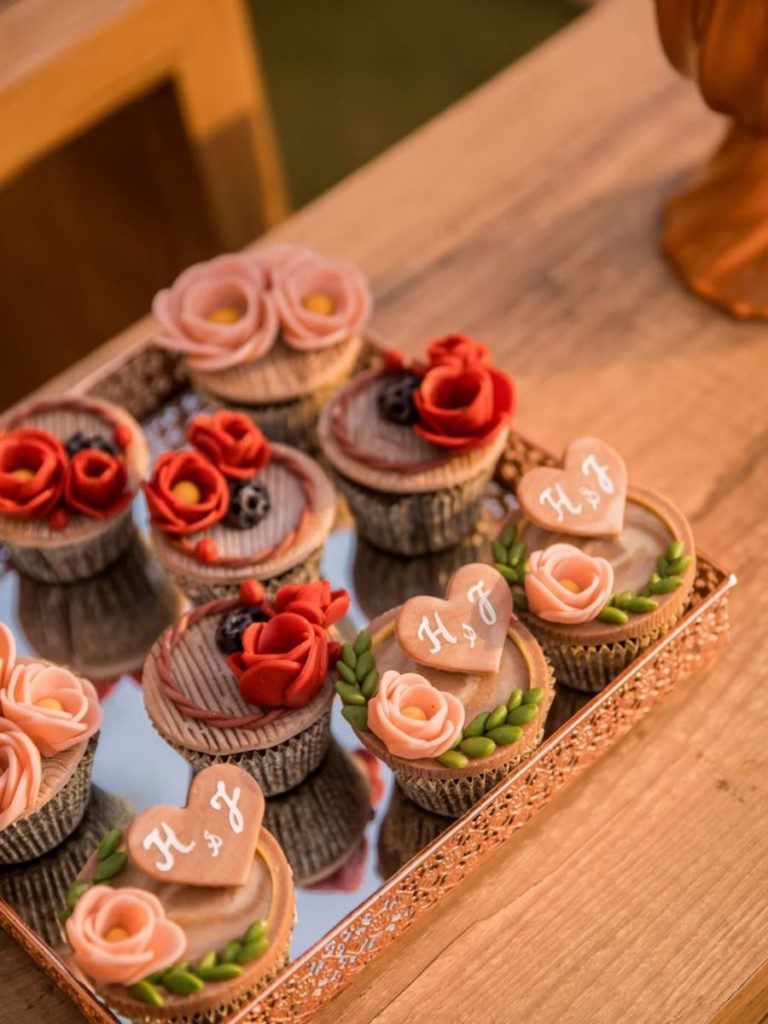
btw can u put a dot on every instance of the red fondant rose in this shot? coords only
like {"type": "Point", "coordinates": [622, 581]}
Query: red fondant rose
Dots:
{"type": "Point", "coordinates": [186, 493]}
{"type": "Point", "coordinates": [232, 441]}
{"type": "Point", "coordinates": [316, 602]}
{"type": "Point", "coordinates": [283, 662]}
{"type": "Point", "coordinates": [96, 484]}
{"type": "Point", "coordinates": [462, 407]}
{"type": "Point", "coordinates": [32, 469]}
{"type": "Point", "coordinates": [457, 350]}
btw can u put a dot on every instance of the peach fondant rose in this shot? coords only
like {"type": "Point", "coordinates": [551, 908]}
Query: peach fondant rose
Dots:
{"type": "Point", "coordinates": [219, 313]}
{"type": "Point", "coordinates": [412, 717]}
{"type": "Point", "coordinates": [566, 585]}
{"type": "Point", "coordinates": [119, 936]}
{"type": "Point", "coordinates": [51, 705]}
{"type": "Point", "coordinates": [21, 773]}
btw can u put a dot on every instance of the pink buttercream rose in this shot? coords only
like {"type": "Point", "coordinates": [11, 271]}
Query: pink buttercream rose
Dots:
{"type": "Point", "coordinates": [219, 314]}
{"type": "Point", "coordinates": [412, 717]}
{"type": "Point", "coordinates": [566, 585]}
{"type": "Point", "coordinates": [55, 708]}
{"type": "Point", "coordinates": [119, 936]}
{"type": "Point", "coordinates": [21, 773]}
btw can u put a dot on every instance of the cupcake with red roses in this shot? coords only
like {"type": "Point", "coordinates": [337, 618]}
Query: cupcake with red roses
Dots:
{"type": "Point", "coordinates": [248, 680]}
{"type": "Point", "coordinates": [234, 506]}
{"type": "Point", "coordinates": [270, 332]}
{"type": "Point", "coordinates": [69, 471]}
{"type": "Point", "coordinates": [414, 445]}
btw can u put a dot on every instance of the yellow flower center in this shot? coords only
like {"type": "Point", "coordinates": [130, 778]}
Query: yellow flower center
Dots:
{"type": "Point", "coordinates": [224, 315]}
{"type": "Point", "coordinates": [187, 492]}
{"type": "Point", "coordinates": [22, 474]}
{"type": "Point", "coordinates": [51, 703]}
{"type": "Point", "coordinates": [116, 934]}
{"type": "Point", "coordinates": [570, 585]}
{"type": "Point", "coordinates": [318, 302]}
{"type": "Point", "coordinates": [416, 713]}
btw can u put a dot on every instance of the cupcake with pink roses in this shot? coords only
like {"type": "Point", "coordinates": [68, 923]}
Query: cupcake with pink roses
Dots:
{"type": "Point", "coordinates": [451, 693]}
{"type": "Point", "coordinates": [235, 506]}
{"type": "Point", "coordinates": [413, 445]}
{"type": "Point", "coordinates": [271, 332]}
{"type": "Point", "coordinates": [599, 570]}
{"type": "Point", "coordinates": [49, 719]}
{"type": "Point", "coordinates": [69, 470]}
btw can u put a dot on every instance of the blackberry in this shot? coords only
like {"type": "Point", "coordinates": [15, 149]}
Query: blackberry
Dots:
{"type": "Point", "coordinates": [395, 399]}
{"type": "Point", "coordinates": [248, 503]}
{"type": "Point", "coordinates": [79, 441]}
{"type": "Point", "coordinates": [229, 632]}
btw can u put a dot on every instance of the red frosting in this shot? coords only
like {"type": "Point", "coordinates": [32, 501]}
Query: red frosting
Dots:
{"type": "Point", "coordinates": [232, 441]}
{"type": "Point", "coordinates": [462, 406]}
{"type": "Point", "coordinates": [176, 516]}
{"type": "Point", "coordinates": [42, 455]}
{"type": "Point", "coordinates": [457, 350]}
{"type": "Point", "coordinates": [316, 602]}
{"type": "Point", "coordinates": [95, 484]}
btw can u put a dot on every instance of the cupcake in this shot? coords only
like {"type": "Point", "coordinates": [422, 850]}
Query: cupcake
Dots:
{"type": "Point", "coordinates": [451, 694]}
{"type": "Point", "coordinates": [598, 571]}
{"type": "Point", "coordinates": [271, 333]}
{"type": "Point", "coordinates": [413, 447]}
{"type": "Point", "coordinates": [49, 719]}
{"type": "Point", "coordinates": [235, 506]}
{"type": "Point", "coordinates": [189, 913]}
{"type": "Point", "coordinates": [69, 470]}
{"type": "Point", "coordinates": [248, 681]}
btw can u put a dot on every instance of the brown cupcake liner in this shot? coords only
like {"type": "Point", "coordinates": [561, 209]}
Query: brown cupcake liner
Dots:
{"type": "Point", "coordinates": [276, 769]}
{"type": "Point", "coordinates": [416, 524]}
{"type": "Point", "coordinates": [42, 830]}
{"type": "Point", "coordinates": [201, 592]}
{"type": "Point", "coordinates": [405, 831]}
{"type": "Point", "coordinates": [79, 560]}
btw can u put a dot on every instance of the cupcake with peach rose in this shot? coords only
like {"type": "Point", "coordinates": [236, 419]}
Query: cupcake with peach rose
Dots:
{"type": "Point", "coordinates": [451, 693]}
{"type": "Point", "coordinates": [413, 445]}
{"type": "Point", "coordinates": [271, 332]}
{"type": "Point", "coordinates": [49, 720]}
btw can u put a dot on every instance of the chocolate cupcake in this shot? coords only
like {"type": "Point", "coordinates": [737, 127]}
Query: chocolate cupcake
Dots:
{"type": "Point", "coordinates": [69, 470]}
{"type": "Point", "coordinates": [599, 572]}
{"type": "Point", "coordinates": [451, 694]}
{"type": "Point", "coordinates": [236, 507]}
{"type": "Point", "coordinates": [414, 447]}
{"type": "Point", "coordinates": [49, 719]}
{"type": "Point", "coordinates": [271, 333]}
{"type": "Point", "coordinates": [188, 914]}
{"type": "Point", "coordinates": [248, 681]}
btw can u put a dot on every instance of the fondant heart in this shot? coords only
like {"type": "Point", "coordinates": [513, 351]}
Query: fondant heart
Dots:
{"type": "Point", "coordinates": [466, 631]}
{"type": "Point", "coordinates": [585, 498]}
{"type": "Point", "coordinates": [210, 842]}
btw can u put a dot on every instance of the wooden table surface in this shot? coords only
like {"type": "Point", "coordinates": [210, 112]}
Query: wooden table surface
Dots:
{"type": "Point", "coordinates": [528, 217]}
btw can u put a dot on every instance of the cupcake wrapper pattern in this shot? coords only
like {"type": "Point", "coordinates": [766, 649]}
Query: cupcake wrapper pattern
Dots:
{"type": "Point", "coordinates": [41, 831]}
{"type": "Point", "coordinates": [201, 593]}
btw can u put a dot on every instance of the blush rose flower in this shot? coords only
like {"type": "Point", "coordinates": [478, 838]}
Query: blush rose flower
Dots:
{"type": "Point", "coordinates": [463, 407]}
{"type": "Point", "coordinates": [55, 708]}
{"type": "Point", "coordinates": [21, 773]}
{"type": "Point", "coordinates": [457, 350]}
{"type": "Point", "coordinates": [316, 602]}
{"type": "Point", "coordinates": [232, 441]}
{"type": "Point", "coordinates": [33, 466]}
{"type": "Point", "coordinates": [219, 314]}
{"type": "Point", "coordinates": [187, 493]}
{"type": "Point", "coordinates": [320, 301]}
{"type": "Point", "coordinates": [566, 585]}
{"type": "Point", "coordinates": [95, 484]}
{"type": "Point", "coordinates": [283, 662]}
{"type": "Point", "coordinates": [119, 936]}
{"type": "Point", "coordinates": [412, 717]}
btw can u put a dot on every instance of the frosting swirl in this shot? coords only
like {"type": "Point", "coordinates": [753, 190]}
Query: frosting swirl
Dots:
{"type": "Point", "coordinates": [412, 717]}
{"type": "Point", "coordinates": [21, 773]}
{"type": "Point", "coordinates": [566, 585]}
{"type": "Point", "coordinates": [55, 708]}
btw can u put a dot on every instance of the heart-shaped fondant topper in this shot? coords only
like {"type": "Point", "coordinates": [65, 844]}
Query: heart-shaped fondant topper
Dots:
{"type": "Point", "coordinates": [210, 842]}
{"type": "Point", "coordinates": [466, 631]}
{"type": "Point", "coordinates": [585, 498]}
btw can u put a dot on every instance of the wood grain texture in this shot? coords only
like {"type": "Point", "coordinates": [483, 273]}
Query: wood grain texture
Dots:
{"type": "Point", "coordinates": [528, 215]}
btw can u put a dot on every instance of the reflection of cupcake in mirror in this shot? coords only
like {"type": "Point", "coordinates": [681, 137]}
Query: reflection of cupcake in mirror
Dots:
{"type": "Point", "coordinates": [187, 914]}
{"type": "Point", "coordinates": [102, 627]}
{"type": "Point", "coordinates": [319, 824]}
{"type": "Point", "coordinates": [414, 446]}
{"type": "Point", "coordinates": [451, 694]}
{"type": "Point", "coordinates": [271, 333]}
{"type": "Point", "coordinates": [49, 720]}
{"type": "Point", "coordinates": [69, 470]}
{"type": "Point", "coordinates": [37, 891]}
{"type": "Point", "coordinates": [598, 571]}
{"type": "Point", "coordinates": [248, 680]}
{"type": "Point", "coordinates": [406, 830]}
{"type": "Point", "coordinates": [566, 704]}
{"type": "Point", "coordinates": [234, 507]}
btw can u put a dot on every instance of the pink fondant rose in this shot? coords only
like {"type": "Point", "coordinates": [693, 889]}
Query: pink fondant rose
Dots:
{"type": "Point", "coordinates": [21, 773]}
{"type": "Point", "coordinates": [119, 936]}
{"type": "Point", "coordinates": [219, 314]}
{"type": "Point", "coordinates": [412, 717]}
{"type": "Point", "coordinates": [55, 708]}
{"type": "Point", "coordinates": [566, 585]}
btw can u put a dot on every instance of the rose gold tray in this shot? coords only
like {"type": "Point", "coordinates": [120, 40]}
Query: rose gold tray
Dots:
{"type": "Point", "coordinates": [146, 379]}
